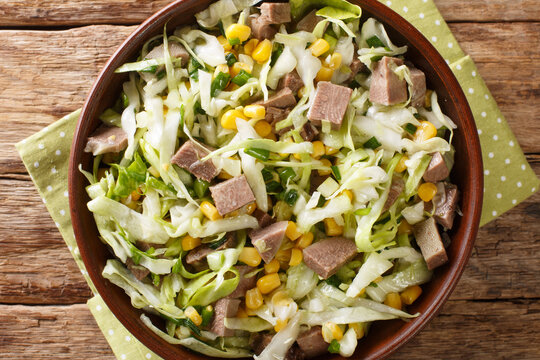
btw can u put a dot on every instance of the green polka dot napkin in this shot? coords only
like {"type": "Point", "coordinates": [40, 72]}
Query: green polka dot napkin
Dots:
{"type": "Point", "coordinates": [508, 177]}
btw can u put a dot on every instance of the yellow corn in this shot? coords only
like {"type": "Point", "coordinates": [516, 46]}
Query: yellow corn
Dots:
{"type": "Point", "coordinates": [228, 120]}
{"type": "Point", "coordinates": [239, 66]}
{"type": "Point", "coordinates": [271, 267]}
{"type": "Point", "coordinates": [324, 74]}
{"type": "Point", "coordinates": [135, 195]}
{"type": "Point", "coordinates": [332, 228]}
{"type": "Point", "coordinates": [193, 315]}
{"type": "Point", "coordinates": [318, 149]}
{"type": "Point", "coordinates": [296, 257]}
{"type": "Point", "coordinates": [425, 131]}
{"type": "Point", "coordinates": [319, 47]}
{"type": "Point", "coordinates": [250, 256]}
{"type": "Point", "coordinates": [255, 112]}
{"type": "Point", "coordinates": [209, 210]}
{"type": "Point", "coordinates": [409, 295]}
{"type": "Point", "coordinates": [327, 163]}
{"type": "Point", "coordinates": [271, 136]}
{"type": "Point", "coordinates": [250, 46]}
{"type": "Point", "coordinates": [393, 300]}
{"type": "Point", "coordinates": [190, 243]}
{"type": "Point", "coordinates": [427, 191]}
{"type": "Point", "coordinates": [132, 205]}
{"type": "Point", "coordinates": [335, 61]}
{"type": "Point", "coordinates": [281, 298]}
{"type": "Point", "coordinates": [221, 68]}
{"type": "Point", "coordinates": [305, 240]}
{"type": "Point", "coordinates": [241, 313]}
{"type": "Point", "coordinates": [238, 31]}
{"type": "Point", "coordinates": [223, 175]}
{"type": "Point", "coordinates": [358, 329]}
{"type": "Point", "coordinates": [251, 312]}
{"type": "Point", "coordinates": [302, 91]}
{"type": "Point", "coordinates": [254, 299]}
{"type": "Point", "coordinates": [378, 280]}
{"type": "Point", "coordinates": [427, 99]}
{"type": "Point", "coordinates": [331, 331]}
{"type": "Point", "coordinates": [401, 167]}
{"type": "Point", "coordinates": [250, 208]}
{"type": "Point", "coordinates": [262, 51]}
{"type": "Point", "coordinates": [291, 232]}
{"type": "Point", "coordinates": [328, 150]}
{"type": "Point", "coordinates": [280, 324]}
{"type": "Point", "coordinates": [224, 42]}
{"type": "Point", "coordinates": [268, 283]}
{"type": "Point", "coordinates": [404, 228]}
{"type": "Point", "coordinates": [283, 256]}
{"type": "Point", "coordinates": [263, 128]}
{"type": "Point", "coordinates": [349, 194]}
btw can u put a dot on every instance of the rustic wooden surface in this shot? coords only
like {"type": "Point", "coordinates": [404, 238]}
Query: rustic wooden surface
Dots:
{"type": "Point", "coordinates": [51, 52]}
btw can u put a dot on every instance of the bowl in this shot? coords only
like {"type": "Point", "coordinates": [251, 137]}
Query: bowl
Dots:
{"type": "Point", "coordinates": [384, 337]}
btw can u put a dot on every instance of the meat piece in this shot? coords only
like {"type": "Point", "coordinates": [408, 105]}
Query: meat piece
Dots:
{"type": "Point", "coordinates": [259, 342]}
{"type": "Point", "coordinates": [223, 308]}
{"type": "Point", "coordinates": [445, 207]}
{"type": "Point", "coordinates": [327, 256]}
{"type": "Point", "coordinates": [430, 243]}
{"type": "Point", "coordinates": [356, 66]}
{"type": "Point", "coordinates": [232, 194]}
{"type": "Point", "coordinates": [140, 272]}
{"type": "Point", "coordinates": [284, 98]}
{"type": "Point", "coordinates": [292, 81]}
{"type": "Point", "coordinates": [175, 50]}
{"type": "Point", "coordinates": [144, 246]}
{"type": "Point", "coordinates": [260, 29]}
{"type": "Point", "coordinates": [263, 218]}
{"type": "Point", "coordinates": [418, 87]}
{"type": "Point", "coordinates": [395, 190]}
{"type": "Point", "coordinates": [330, 103]}
{"type": "Point", "coordinates": [308, 132]}
{"type": "Point", "coordinates": [311, 342]}
{"type": "Point", "coordinates": [106, 139]}
{"type": "Point", "coordinates": [245, 283]}
{"type": "Point", "coordinates": [275, 13]}
{"type": "Point", "coordinates": [268, 240]}
{"type": "Point", "coordinates": [315, 180]}
{"type": "Point", "coordinates": [309, 21]}
{"type": "Point", "coordinates": [188, 157]}
{"type": "Point", "coordinates": [437, 169]}
{"type": "Point", "coordinates": [274, 114]}
{"type": "Point", "coordinates": [197, 257]}
{"type": "Point", "coordinates": [386, 87]}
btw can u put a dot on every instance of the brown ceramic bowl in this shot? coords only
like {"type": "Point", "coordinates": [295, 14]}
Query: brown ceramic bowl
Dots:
{"type": "Point", "coordinates": [385, 336]}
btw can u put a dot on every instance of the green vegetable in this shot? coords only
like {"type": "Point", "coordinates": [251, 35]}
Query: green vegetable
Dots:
{"type": "Point", "coordinates": [216, 244]}
{"type": "Point", "coordinates": [193, 68]}
{"type": "Point", "coordinates": [198, 109]}
{"type": "Point", "coordinates": [242, 78]}
{"type": "Point", "coordinates": [231, 59]}
{"type": "Point", "coordinates": [286, 174]}
{"type": "Point", "coordinates": [150, 69]}
{"type": "Point", "coordinates": [219, 83]}
{"type": "Point", "coordinates": [207, 313]}
{"type": "Point", "coordinates": [335, 170]}
{"type": "Point", "coordinates": [334, 347]}
{"type": "Point", "coordinates": [276, 52]}
{"type": "Point", "coordinates": [260, 154]}
{"type": "Point", "coordinates": [372, 143]}
{"type": "Point", "coordinates": [125, 100]}
{"type": "Point", "coordinates": [155, 279]}
{"type": "Point", "coordinates": [362, 212]}
{"type": "Point", "coordinates": [273, 187]}
{"type": "Point", "coordinates": [291, 197]}
{"type": "Point", "coordinates": [375, 42]}
{"type": "Point", "coordinates": [441, 132]}
{"type": "Point", "coordinates": [410, 128]}
{"type": "Point", "coordinates": [201, 187]}
{"type": "Point", "coordinates": [186, 323]}
{"type": "Point", "coordinates": [267, 174]}
{"type": "Point", "coordinates": [300, 7]}
{"type": "Point", "coordinates": [234, 41]}
{"type": "Point", "coordinates": [333, 280]}
{"type": "Point", "coordinates": [221, 28]}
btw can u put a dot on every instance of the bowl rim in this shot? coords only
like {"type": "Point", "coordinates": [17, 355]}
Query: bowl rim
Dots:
{"type": "Point", "coordinates": [470, 223]}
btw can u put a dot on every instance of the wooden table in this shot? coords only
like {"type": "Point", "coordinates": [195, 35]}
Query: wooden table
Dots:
{"type": "Point", "coordinates": [51, 51]}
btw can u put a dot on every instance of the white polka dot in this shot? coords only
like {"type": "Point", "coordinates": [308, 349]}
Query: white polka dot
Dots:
{"type": "Point", "coordinates": [111, 332]}
{"type": "Point", "coordinates": [447, 61]}
{"type": "Point", "coordinates": [495, 137]}
{"type": "Point", "coordinates": [533, 189]}
{"type": "Point", "coordinates": [62, 134]}
{"type": "Point", "coordinates": [437, 22]}
{"type": "Point", "coordinates": [53, 170]}
{"type": "Point", "coordinates": [128, 338]}
{"type": "Point", "coordinates": [523, 167]}
{"type": "Point", "coordinates": [57, 224]}
{"type": "Point", "coordinates": [471, 90]}
{"type": "Point", "coordinates": [57, 152]}
{"type": "Point", "coordinates": [514, 201]}
{"type": "Point", "coordinates": [425, 1]}
{"type": "Point", "coordinates": [44, 201]}
{"type": "Point", "coordinates": [98, 308]}
{"type": "Point", "coordinates": [123, 356]}
{"type": "Point", "coordinates": [499, 195]}
{"type": "Point", "coordinates": [389, 3]}
{"type": "Point", "coordinates": [405, 9]}
{"type": "Point", "coordinates": [519, 184]}
{"type": "Point", "coordinates": [479, 131]}
{"type": "Point", "coordinates": [458, 66]}
{"type": "Point", "coordinates": [36, 164]}
{"type": "Point", "coordinates": [511, 143]}
{"type": "Point", "coordinates": [494, 213]}
{"type": "Point", "coordinates": [499, 120]}
{"type": "Point", "coordinates": [148, 356]}
{"type": "Point", "coordinates": [421, 15]}
{"type": "Point", "coordinates": [433, 38]}
{"type": "Point", "coordinates": [491, 155]}
{"type": "Point", "coordinates": [450, 45]}
{"type": "Point", "coordinates": [49, 187]}
{"type": "Point", "coordinates": [66, 193]}
{"type": "Point", "coordinates": [486, 172]}
{"type": "Point", "coordinates": [503, 178]}
{"type": "Point", "coordinates": [507, 161]}
{"type": "Point", "coordinates": [62, 212]}
{"type": "Point", "coordinates": [41, 146]}
{"type": "Point", "coordinates": [473, 73]}
{"type": "Point", "coordinates": [70, 247]}
{"type": "Point", "coordinates": [76, 251]}
{"type": "Point", "coordinates": [486, 97]}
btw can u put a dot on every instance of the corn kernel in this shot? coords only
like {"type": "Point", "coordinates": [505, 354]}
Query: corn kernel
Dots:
{"type": "Point", "coordinates": [281, 298]}
{"type": "Point", "coordinates": [331, 331]}
{"type": "Point", "coordinates": [324, 74]}
{"type": "Point", "coordinates": [193, 315]}
{"type": "Point", "coordinates": [291, 232]}
{"type": "Point", "coordinates": [228, 120]}
{"type": "Point", "coordinates": [318, 149]}
{"type": "Point", "coordinates": [251, 312]}
{"type": "Point", "coordinates": [250, 208]}
{"type": "Point", "coordinates": [221, 68]}
{"type": "Point", "coordinates": [358, 329]}
{"type": "Point", "coordinates": [280, 324]}
{"type": "Point", "coordinates": [425, 131]}
{"type": "Point", "coordinates": [378, 279]}
{"type": "Point", "coordinates": [250, 256]}
{"type": "Point", "coordinates": [305, 240]}
{"type": "Point", "coordinates": [271, 267]}
{"type": "Point", "coordinates": [255, 112]}
{"type": "Point", "coordinates": [241, 313]}
{"type": "Point", "coordinates": [332, 228]}
{"type": "Point", "coordinates": [250, 46]}
{"type": "Point", "coordinates": [393, 300]}
{"type": "Point", "coordinates": [297, 156]}
{"type": "Point", "coordinates": [271, 136]}
{"type": "Point", "coordinates": [319, 47]}
{"type": "Point", "coordinates": [223, 175]}
{"type": "Point", "coordinates": [210, 211]}
{"type": "Point", "coordinates": [262, 51]}
{"type": "Point", "coordinates": [335, 61]}
{"type": "Point", "coordinates": [190, 243]}
{"type": "Point", "coordinates": [238, 31]}
{"type": "Point", "coordinates": [349, 194]}
{"type": "Point", "coordinates": [296, 257]}
{"type": "Point", "coordinates": [268, 283]}
{"type": "Point", "coordinates": [224, 42]}
{"type": "Point", "coordinates": [135, 195]}
{"type": "Point", "coordinates": [404, 228]}
{"type": "Point", "coordinates": [254, 299]}
{"type": "Point", "coordinates": [239, 66]}
{"type": "Point", "coordinates": [302, 91]}
{"type": "Point", "coordinates": [409, 295]}
{"type": "Point", "coordinates": [401, 167]}
{"type": "Point", "coordinates": [427, 99]}
{"type": "Point", "coordinates": [132, 205]}
{"type": "Point", "coordinates": [327, 163]}
{"type": "Point", "coordinates": [427, 191]}
{"type": "Point", "coordinates": [328, 150]}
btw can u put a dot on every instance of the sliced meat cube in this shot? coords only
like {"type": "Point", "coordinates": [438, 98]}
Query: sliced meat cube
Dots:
{"type": "Point", "coordinates": [260, 29]}
{"type": "Point", "coordinates": [418, 87]}
{"type": "Point", "coordinates": [396, 188]}
{"type": "Point", "coordinates": [197, 257]}
{"type": "Point", "coordinates": [308, 132]}
{"type": "Point", "coordinates": [284, 98]}
{"type": "Point", "coordinates": [268, 240]}
{"type": "Point", "coordinates": [245, 283]}
{"type": "Point", "coordinates": [175, 50]}
{"type": "Point", "coordinates": [430, 243]}
{"type": "Point", "coordinates": [356, 66]}
{"type": "Point", "coordinates": [263, 218]}
{"type": "Point", "coordinates": [106, 139]}
{"type": "Point", "coordinates": [188, 157]}
{"type": "Point", "coordinates": [258, 342]}
{"type": "Point", "coordinates": [140, 272]}
{"type": "Point", "coordinates": [386, 87]}
{"type": "Point", "coordinates": [292, 81]}
{"type": "Point", "coordinates": [311, 342]}
{"type": "Point", "coordinates": [232, 194]}
{"type": "Point", "coordinates": [445, 208]}
{"type": "Point", "coordinates": [144, 246]}
{"type": "Point", "coordinates": [275, 13]}
{"type": "Point", "coordinates": [437, 169]}
{"type": "Point", "coordinates": [223, 308]}
{"type": "Point", "coordinates": [330, 104]}
{"type": "Point", "coordinates": [309, 21]}
{"type": "Point", "coordinates": [327, 256]}
{"type": "Point", "coordinates": [274, 114]}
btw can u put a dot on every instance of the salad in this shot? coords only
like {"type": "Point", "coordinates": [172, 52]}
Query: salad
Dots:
{"type": "Point", "coordinates": [272, 180]}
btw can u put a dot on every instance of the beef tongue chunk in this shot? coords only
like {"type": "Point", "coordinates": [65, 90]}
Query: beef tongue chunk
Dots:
{"type": "Point", "coordinates": [446, 205]}
{"type": "Point", "coordinates": [325, 257]}
{"type": "Point", "coordinates": [430, 243]}
{"type": "Point", "coordinates": [140, 272]}
{"type": "Point", "coordinates": [396, 188]}
{"type": "Point", "coordinates": [263, 218]}
{"type": "Point", "coordinates": [260, 29]}
{"type": "Point", "coordinates": [245, 283]}
{"type": "Point", "coordinates": [418, 87]}
{"type": "Point", "coordinates": [292, 81]}
{"type": "Point", "coordinates": [284, 98]}
{"type": "Point", "coordinates": [197, 257]}
{"type": "Point", "coordinates": [106, 139]}
{"type": "Point", "coordinates": [232, 194]}
{"type": "Point", "coordinates": [386, 87]}
{"type": "Point", "coordinates": [223, 308]}
{"type": "Point", "coordinates": [275, 13]}
{"type": "Point", "coordinates": [308, 22]}
{"type": "Point", "coordinates": [268, 239]}
{"type": "Point", "coordinates": [356, 66]}
{"type": "Point", "coordinates": [311, 342]}
{"type": "Point", "coordinates": [330, 104]}
{"type": "Point", "coordinates": [188, 157]}
{"type": "Point", "coordinates": [175, 50]}
{"type": "Point", "coordinates": [437, 169]}
{"type": "Point", "coordinates": [308, 132]}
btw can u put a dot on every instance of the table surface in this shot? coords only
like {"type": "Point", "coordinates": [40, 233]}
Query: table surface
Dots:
{"type": "Point", "coordinates": [51, 53]}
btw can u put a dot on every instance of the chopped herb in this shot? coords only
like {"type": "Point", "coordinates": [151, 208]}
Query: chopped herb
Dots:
{"type": "Point", "coordinates": [410, 128]}
{"type": "Point", "coordinates": [234, 41]}
{"type": "Point", "coordinates": [273, 187]}
{"type": "Point", "coordinates": [161, 74]}
{"type": "Point", "coordinates": [231, 59]}
{"type": "Point", "coordinates": [321, 202]}
{"type": "Point", "coordinates": [193, 68]}
{"type": "Point", "coordinates": [176, 267]}
{"type": "Point", "coordinates": [372, 143]}
{"type": "Point", "coordinates": [441, 132]}
{"type": "Point", "coordinates": [290, 197]}
{"type": "Point", "coordinates": [376, 58]}
{"type": "Point", "coordinates": [184, 322]}
{"type": "Point", "coordinates": [201, 187]}
{"type": "Point", "coordinates": [418, 116]}
{"type": "Point", "coordinates": [334, 347]}
{"type": "Point", "coordinates": [198, 109]}
{"type": "Point", "coordinates": [156, 279]}
{"type": "Point", "coordinates": [191, 192]}
{"type": "Point", "coordinates": [260, 154]}
{"type": "Point", "coordinates": [221, 28]}
{"type": "Point", "coordinates": [372, 284]}
{"type": "Point", "coordinates": [375, 42]}
{"type": "Point", "coordinates": [207, 313]}
{"type": "Point", "coordinates": [242, 78]}
{"type": "Point", "coordinates": [214, 245]}
{"type": "Point", "coordinates": [125, 100]}
{"type": "Point", "coordinates": [336, 172]}
{"type": "Point", "coordinates": [267, 174]}
{"type": "Point", "coordinates": [135, 256]}
{"type": "Point", "coordinates": [150, 69]}
{"type": "Point", "coordinates": [354, 84]}
{"type": "Point", "coordinates": [276, 52]}
{"type": "Point", "coordinates": [151, 251]}
{"type": "Point", "coordinates": [333, 280]}
{"type": "Point", "coordinates": [219, 83]}
{"type": "Point", "coordinates": [362, 212]}
{"type": "Point", "coordinates": [384, 220]}
{"type": "Point", "coordinates": [286, 174]}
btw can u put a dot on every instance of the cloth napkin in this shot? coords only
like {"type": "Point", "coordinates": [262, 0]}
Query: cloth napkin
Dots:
{"type": "Point", "coordinates": [508, 178]}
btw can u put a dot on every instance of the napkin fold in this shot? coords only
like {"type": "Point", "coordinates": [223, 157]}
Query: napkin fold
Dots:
{"type": "Point", "coordinates": [508, 178]}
